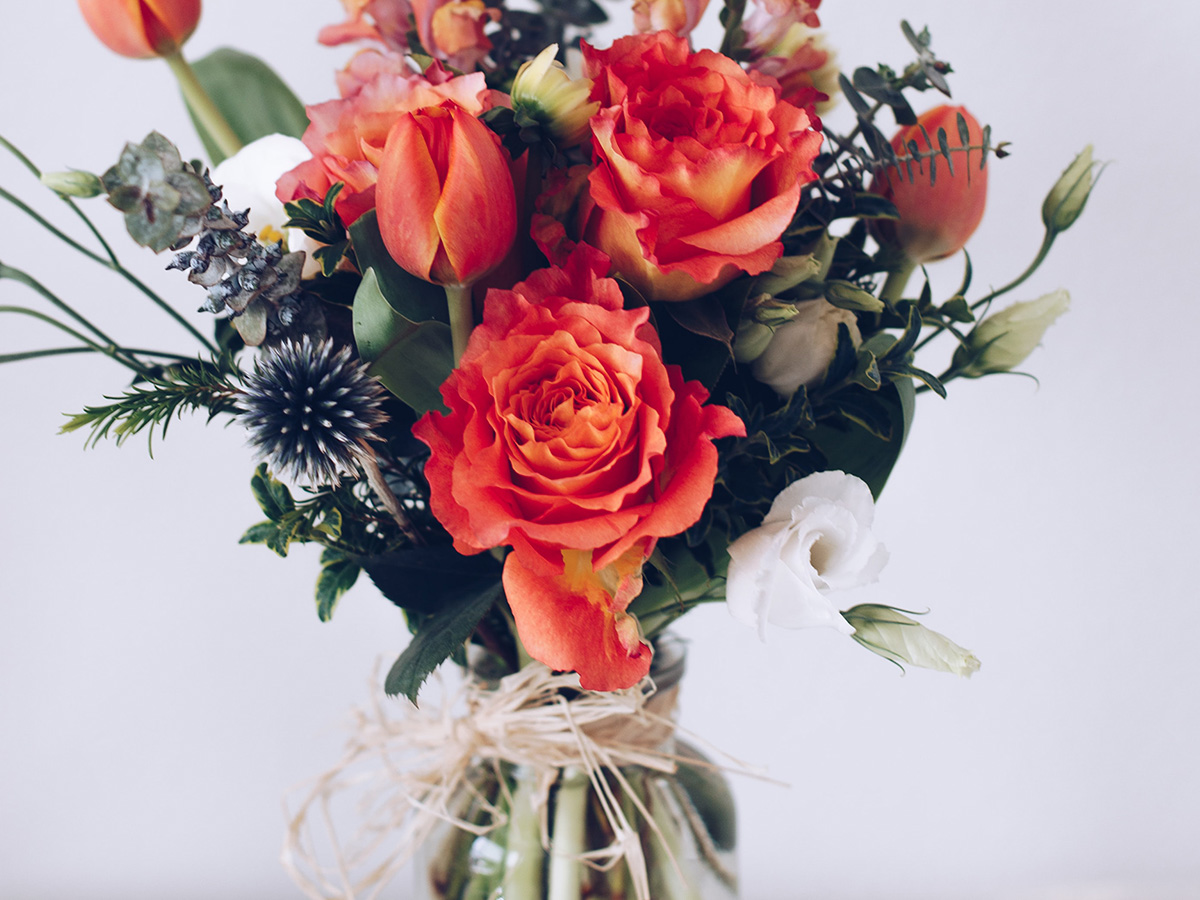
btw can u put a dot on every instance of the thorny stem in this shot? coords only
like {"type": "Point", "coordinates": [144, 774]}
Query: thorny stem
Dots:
{"type": "Point", "coordinates": [200, 103]}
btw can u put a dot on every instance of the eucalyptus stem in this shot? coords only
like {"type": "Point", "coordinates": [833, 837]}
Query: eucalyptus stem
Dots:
{"type": "Point", "coordinates": [570, 819]}
{"type": "Point", "coordinates": [202, 106]}
{"type": "Point", "coordinates": [462, 317]}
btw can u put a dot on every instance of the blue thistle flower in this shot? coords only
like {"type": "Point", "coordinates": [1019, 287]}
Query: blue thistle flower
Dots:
{"type": "Point", "coordinates": [311, 411]}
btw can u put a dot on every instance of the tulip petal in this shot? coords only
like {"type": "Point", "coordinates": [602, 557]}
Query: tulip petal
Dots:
{"type": "Point", "coordinates": [406, 197]}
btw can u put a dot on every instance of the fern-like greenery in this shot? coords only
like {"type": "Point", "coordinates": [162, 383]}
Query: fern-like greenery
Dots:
{"type": "Point", "coordinates": [178, 388]}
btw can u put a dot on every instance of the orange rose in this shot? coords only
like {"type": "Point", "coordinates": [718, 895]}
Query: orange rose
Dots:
{"type": "Point", "coordinates": [937, 219]}
{"type": "Point", "coordinates": [569, 439]}
{"type": "Point", "coordinates": [142, 30]}
{"type": "Point", "coordinates": [698, 166]}
{"type": "Point", "coordinates": [347, 136]}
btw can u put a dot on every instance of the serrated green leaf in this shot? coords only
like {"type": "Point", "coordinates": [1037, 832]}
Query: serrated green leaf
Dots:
{"type": "Point", "coordinates": [437, 638]}
{"type": "Point", "coordinates": [334, 580]}
{"type": "Point", "coordinates": [418, 578]}
{"type": "Point", "coordinates": [850, 447]}
{"type": "Point", "coordinates": [252, 98]}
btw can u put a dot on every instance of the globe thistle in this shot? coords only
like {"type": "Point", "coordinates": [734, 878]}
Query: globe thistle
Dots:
{"type": "Point", "coordinates": [311, 411]}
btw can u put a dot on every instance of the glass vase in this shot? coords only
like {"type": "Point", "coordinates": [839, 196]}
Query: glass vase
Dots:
{"type": "Point", "coordinates": [554, 834]}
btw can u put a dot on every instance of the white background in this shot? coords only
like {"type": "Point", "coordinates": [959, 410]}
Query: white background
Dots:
{"type": "Point", "coordinates": [162, 687]}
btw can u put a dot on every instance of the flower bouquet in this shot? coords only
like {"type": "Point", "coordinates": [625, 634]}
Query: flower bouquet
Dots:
{"type": "Point", "coordinates": [555, 342]}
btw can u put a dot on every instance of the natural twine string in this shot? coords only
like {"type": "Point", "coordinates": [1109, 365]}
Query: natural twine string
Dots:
{"type": "Point", "coordinates": [408, 770]}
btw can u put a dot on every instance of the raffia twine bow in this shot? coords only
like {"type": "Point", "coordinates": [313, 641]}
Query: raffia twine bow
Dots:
{"type": "Point", "coordinates": [406, 772]}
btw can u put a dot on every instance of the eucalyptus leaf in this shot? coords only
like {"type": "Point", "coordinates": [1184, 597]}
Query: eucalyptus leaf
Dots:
{"type": "Point", "coordinates": [252, 98]}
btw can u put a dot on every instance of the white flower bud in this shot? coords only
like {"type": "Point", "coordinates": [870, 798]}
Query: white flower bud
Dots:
{"type": "Point", "coordinates": [1002, 342]}
{"type": "Point", "coordinates": [1067, 198]}
{"type": "Point", "coordinates": [815, 539]}
{"type": "Point", "coordinates": [895, 636]}
{"type": "Point", "coordinates": [544, 91]}
{"type": "Point", "coordinates": [802, 349]}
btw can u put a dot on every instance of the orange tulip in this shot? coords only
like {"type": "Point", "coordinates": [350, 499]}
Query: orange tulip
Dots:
{"type": "Point", "coordinates": [445, 198]}
{"type": "Point", "coordinates": [142, 28]}
{"type": "Point", "coordinates": [937, 219]}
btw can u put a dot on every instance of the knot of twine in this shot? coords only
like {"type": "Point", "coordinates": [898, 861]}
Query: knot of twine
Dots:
{"type": "Point", "coordinates": [407, 772]}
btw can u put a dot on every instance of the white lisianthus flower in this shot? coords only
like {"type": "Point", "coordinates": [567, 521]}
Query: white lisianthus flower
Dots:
{"type": "Point", "coordinates": [815, 540]}
{"type": "Point", "coordinates": [247, 179]}
{"type": "Point", "coordinates": [895, 636]}
{"type": "Point", "coordinates": [802, 348]}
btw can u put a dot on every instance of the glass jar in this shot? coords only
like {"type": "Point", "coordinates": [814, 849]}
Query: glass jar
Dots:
{"type": "Point", "coordinates": [558, 833]}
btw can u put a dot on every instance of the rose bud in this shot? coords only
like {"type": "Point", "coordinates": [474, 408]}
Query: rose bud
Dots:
{"type": "Point", "coordinates": [142, 30]}
{"type": "Point", "coordinates": [936, 219]}
{"type": "Point", "coordinates": [1001, 342]}
{"type": "Point", "coordinates": [445, 198]}
{"type": "Point", "coordinates": [801, 349]}
{"type": "Point", "coordinates": [895, 636]}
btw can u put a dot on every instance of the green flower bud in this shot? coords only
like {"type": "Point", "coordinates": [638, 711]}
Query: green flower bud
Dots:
{"type": "Point", "coordinates": [74, 183]}
{"type": "Point", "coordinates": [1067, 198]}
{"type": "Point", "coordinates": [758, 326]}
{"type": "Point", "coordinates": [543, 91]}
{"type": "Point", "coordinates": [1001, 342]}
{"type": "Point", "coordinates": [895, 636]}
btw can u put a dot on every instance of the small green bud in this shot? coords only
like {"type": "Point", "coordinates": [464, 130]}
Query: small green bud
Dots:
{"type": "Point", "coordinates": [73, 183]}
{"type": "Point", "coordinates": [894, 636]}
{"type": "Point", "coordinates": [758, 326]}
{"type": "Point", "coordinates": [1069, 195]}
{"type": "Point", "coordinates": [1002, 342]}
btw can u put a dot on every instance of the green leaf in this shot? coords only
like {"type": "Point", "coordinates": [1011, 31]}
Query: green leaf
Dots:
{"type": "Point", "coordinates": [271, 493]}
{"type": "Point", "coordinates": [335, 579]}
{"type": "Point", "coordinates": [260, 533]}
{"type": "Point", "coordinates": [704, 316]}
{"type": "Point", "coordinates": [408, 295]}
{"type": "Point", "coordinates": [851, 447]}
{"type": "Point", "coordinates": [253, 99]}
{"type": "Point", "coordinates": [417, 579]}
{"type": "Point", "coordinates": [872, 206]}
{"type": "Point", "coordinates": [440, 636]}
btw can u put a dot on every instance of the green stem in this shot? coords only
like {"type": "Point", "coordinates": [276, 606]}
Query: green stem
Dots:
{"type": "Point", "coordinates": [570, 817]}
{"type": "Point", "coordinates": [202, 106]}
{"type": "Point", "coordinates": [111, 263]}
{"type": "Point", "coordinates": [462, 317]}
{"type": "Point", "coordinates": [523, 878]}
{"type": "Point", "coordinates": [62, 351]}
{"type": "Point", "coordinates": [31, 282]}
{"type": "Point", "coordinates": [111, 351]}
{"type": "Point", "coordinates": [897, 280]}
{"type": "Point", "coordinates": [1047, 241]}
{"type": "Point", "coordinates": [37, 173]}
